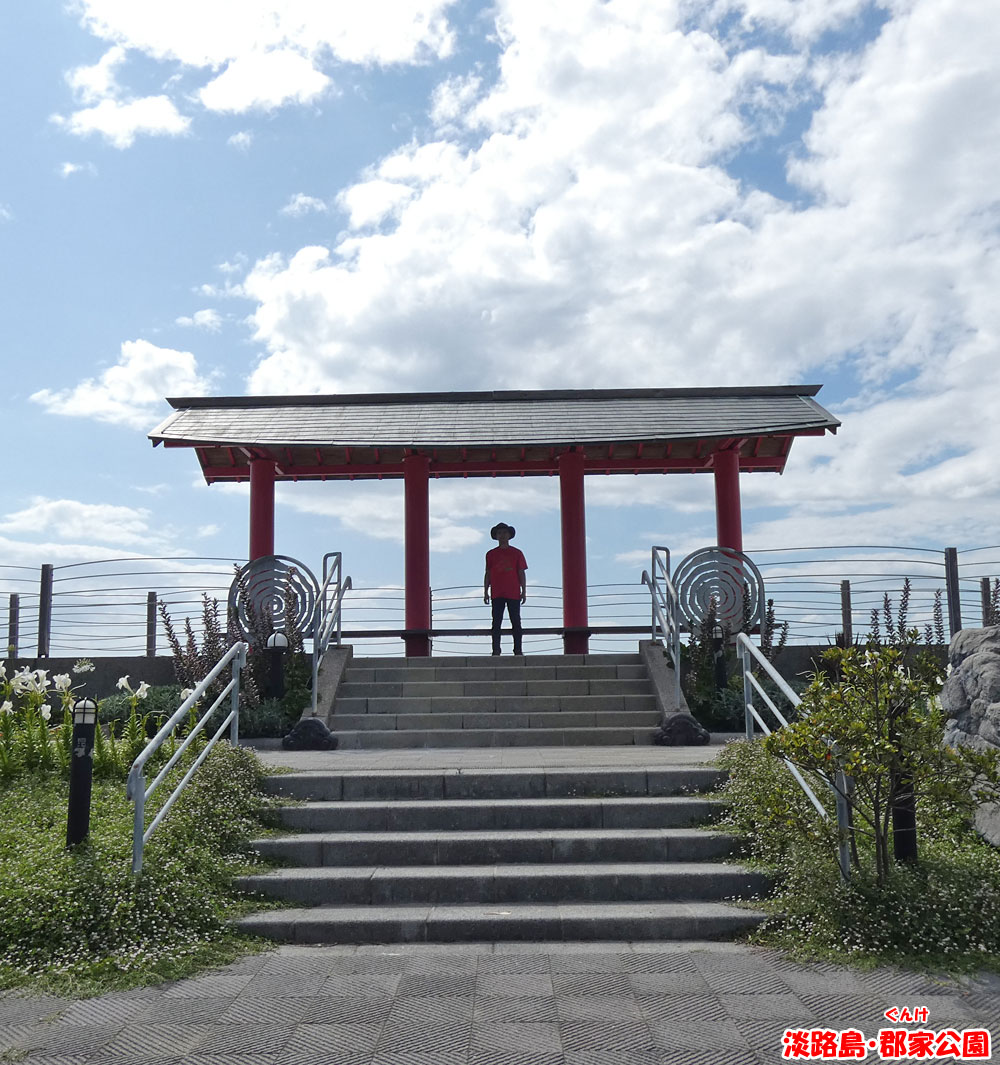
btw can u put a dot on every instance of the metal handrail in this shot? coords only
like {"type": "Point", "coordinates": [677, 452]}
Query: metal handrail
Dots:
{"type": "Point", "coordinates": [136, 789]}
{"type": "Point", "coordinates": [748, 653]}
{"type": "Point", "coordinates": [665, 612]}
{"type": "Point", "coordinates": [327, 620]}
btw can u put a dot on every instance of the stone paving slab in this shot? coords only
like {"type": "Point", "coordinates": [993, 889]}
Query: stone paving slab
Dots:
{"type": "Point", "coordinates": [648, 1003]}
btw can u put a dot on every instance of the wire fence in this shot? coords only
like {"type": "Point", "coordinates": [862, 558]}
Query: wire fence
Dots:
{"type": "Point", "coordinates": [111, 607]}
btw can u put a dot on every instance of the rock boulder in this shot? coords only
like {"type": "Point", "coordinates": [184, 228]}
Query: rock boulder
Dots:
{"type": "Point", "coordinates": [971, 699]}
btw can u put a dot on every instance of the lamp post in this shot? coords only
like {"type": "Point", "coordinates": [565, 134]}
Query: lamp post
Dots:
{"type": "Point", "coordinates": [277, 645]}
{"type": "Point", "coordinates": [81, 771]}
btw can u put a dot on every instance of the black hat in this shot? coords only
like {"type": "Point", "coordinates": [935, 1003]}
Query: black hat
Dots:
{"type": "Point", "coordinates": [502, 525]}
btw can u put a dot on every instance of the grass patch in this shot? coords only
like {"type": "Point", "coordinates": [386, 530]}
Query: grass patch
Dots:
{"type": "Point", "coordinates": [79, 923]}
{"type": "Point", "coordinates": [941, 915]}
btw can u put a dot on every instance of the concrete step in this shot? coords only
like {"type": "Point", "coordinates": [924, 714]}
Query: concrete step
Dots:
{"type": "Point", "coordinates": [487, 671]}
{"type": "Point", "coordinates": [444, 847]}
{"type": "Point", "coordinates": [504, 661]}
{"type": "Point", "coordinates": [480, 815]}
{"type": "Point", "coordinates": [560, 783]}
{"type": "Point", "coordinates": [421, 689]}
{"type": "Point", "coordinates": [347, 722]}
{"type": "Point", "coordinates": [507, 883]}
{"type": "Point", "coordinates": [489, 923]}
{"type": "Point", "coordinates": [466, 737]}
{"type": "Point", "coordinates": [488, 704]}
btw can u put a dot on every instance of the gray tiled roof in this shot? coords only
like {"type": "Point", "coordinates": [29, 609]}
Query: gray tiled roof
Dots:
{"type": "Point", "coordinates": [481, 419]}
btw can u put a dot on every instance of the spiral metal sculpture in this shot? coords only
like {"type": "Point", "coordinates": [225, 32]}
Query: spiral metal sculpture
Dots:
{"type": "Point", "coordinates": [725, 576]}
{"type": "Point", "coordinates": [261, 588]}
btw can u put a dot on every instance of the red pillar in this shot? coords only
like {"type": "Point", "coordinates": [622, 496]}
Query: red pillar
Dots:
{"type": "Point", "coordinates": [416, 478]}
{"type": "Point", "coordinates": [728, 518]}
{"type": "Point", "coordinates": [261, 508]}
{"type": "Point", "coordinates": [574, 552]}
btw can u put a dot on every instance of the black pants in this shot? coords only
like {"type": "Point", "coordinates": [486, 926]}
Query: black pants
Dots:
{"type": "Point", "coordinates": [514, 612]}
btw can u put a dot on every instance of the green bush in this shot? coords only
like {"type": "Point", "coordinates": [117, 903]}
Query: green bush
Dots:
{"type": "Point", "coordinates": [79, 920]}
{"type": "Point", "coordinates": [159, 703]}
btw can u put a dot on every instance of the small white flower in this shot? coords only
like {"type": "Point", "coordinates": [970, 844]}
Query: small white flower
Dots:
{"type": "Point", "coordinates": [3, 670]}
{"type": "Point", "coordinates": [142, 690]}
{"type": "Point", "coordinates": [186, 692]}
{"type": "Point", "coordinates": [41, 679]}
{"type": "Point", "coordinates": [61, 682]}
{"type": "Point", "coordinates": [6, 706]}
{"type": "Point", "coordinates": [46, 711]}
{"type": "Point", "coordinates": [84, 665]}
{"type": "Point", "coordinates": [123, 684]}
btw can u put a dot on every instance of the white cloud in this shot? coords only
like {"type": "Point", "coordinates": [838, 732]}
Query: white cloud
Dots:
{"type": "Point", "coordinates": [207, 319]}
{"type": "Point", "coordinates": [241, 141]}
{"type": "Point", "coordinates": [69, 519]}
{"type": "Point", "coordinates": [6, 213]}
{"type": "Point", "coordinates": [264, 80]}
{"type": "Point", "coordinates": [574, 224]}
{"type": "Point", "coordinates": [121, 121]}
{"type": "Point", "coordinates": [132, 391]}
{"type": "Point", "coordinates": [301, 204]}
{"type": "Point", "coordinates": [69, 169]}
{"type": "Point", "coordinates": [260, 53]}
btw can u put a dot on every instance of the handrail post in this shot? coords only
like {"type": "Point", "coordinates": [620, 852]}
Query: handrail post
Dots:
{"type": "Point", "coordinates": [14, 625]}
{"type": "Point", "coordinates": [846, 613]}
{"type": "Point", "coordinates": [151, 624]}
{"type": "Point", "coordinates": [45, 610]}
{"type": "Point", "coordinates": [234, 701]}
{"type": "Point", "coordinates": [984, 591]}
{"type": "Point", "coordinates": [953, 590]}
{"type": "Point", "coordinates": [747, 690]}
{"type": "Point", "coordinates": [137, 793]}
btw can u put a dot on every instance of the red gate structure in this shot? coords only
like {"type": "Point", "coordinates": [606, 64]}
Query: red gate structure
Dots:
{"type": "Point", "coordinates": [566, 433]}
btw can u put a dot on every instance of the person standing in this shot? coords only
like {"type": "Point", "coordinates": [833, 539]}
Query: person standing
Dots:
{"type": "Point", "coordinates": [504, 583]}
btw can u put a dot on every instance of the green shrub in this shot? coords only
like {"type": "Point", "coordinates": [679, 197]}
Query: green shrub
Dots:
{"type": "Point", "coordinates": [79, 919]}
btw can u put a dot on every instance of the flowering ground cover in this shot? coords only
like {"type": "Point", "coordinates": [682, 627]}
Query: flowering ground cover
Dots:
{"type": "Point", "coordinates": [77, 921]}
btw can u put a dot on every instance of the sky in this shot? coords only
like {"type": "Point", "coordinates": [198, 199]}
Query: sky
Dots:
{"type": "Point", "coordinates": [254, 197]}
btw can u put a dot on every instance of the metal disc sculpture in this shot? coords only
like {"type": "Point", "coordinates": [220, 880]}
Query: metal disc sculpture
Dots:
{"type": "Point", "coordinates": [262, 588]}
{"type": "Point", "coordinates": [723, 576]}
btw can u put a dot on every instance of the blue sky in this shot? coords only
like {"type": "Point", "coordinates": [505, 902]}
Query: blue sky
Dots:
{"type": "Point", "coordinates": [226, 198]}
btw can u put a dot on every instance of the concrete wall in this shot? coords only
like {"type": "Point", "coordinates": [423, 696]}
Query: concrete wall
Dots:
{"type": "Point", "coordinates": [103, 681]}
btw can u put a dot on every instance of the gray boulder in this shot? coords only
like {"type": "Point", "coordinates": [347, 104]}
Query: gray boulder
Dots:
{"type": "Point", "coordinates": [971, 699]}
{"type": "Point", "coordinates": [681, 730]}
{"type": "Point", "coordinates": [310, 734]}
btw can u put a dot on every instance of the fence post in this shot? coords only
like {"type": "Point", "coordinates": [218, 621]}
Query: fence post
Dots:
{"type": "Point", "coordinates": [45, 610]}
{"type": "Point", "coordinates": [151, 624]}
{"type": "Point", "coordinates": [13, 625]}
{"type": "Point", "coordinates": [846, 614]}
{"type": "Point", "coordinates": [984, 588]}
{"type": "Point", "coordinates": [953, 590]}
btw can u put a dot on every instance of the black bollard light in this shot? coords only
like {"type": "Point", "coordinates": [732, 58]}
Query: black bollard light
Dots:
{"type": "Point", "coordinates": [277, 645]}
{"type": "Point", "coordinates": [81, 771]}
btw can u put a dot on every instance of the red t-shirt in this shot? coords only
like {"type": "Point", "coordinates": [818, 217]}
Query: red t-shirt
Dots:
{"type": "Point", "coordinates": [503, 565]}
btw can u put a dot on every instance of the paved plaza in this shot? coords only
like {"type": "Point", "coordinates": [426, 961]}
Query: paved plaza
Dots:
{"type": "Point", "coordinates": [485, 1004]}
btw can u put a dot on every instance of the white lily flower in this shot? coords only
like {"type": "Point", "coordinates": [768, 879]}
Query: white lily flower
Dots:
{"type": "Point", "coordinates": [186, 692]}
{"type": "Point", "coordinates": [142, 690]}
{"type": "Point", "coordinates": [46, 711]}
{"type": "Point", "coordinates": [61, 682]}
{"type": "Point", "coordinates": [41, 679]}
{"type": "Point", "coordinates": [3, 670]}
{"type": "Point", "coordinates": [123, 684]}
{"type": "Point", "coordinates": [6, 707]}
{"type": "Point", "coordinates": [23, 681]}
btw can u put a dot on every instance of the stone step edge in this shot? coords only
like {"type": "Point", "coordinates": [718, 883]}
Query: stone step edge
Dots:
{"type": "Point", "coordinates": [513, 785]}
{"type": "Point", "coordinates": [463, 835]}
{"type": "Point", "coordinates": [506, 870]}
{"type": "Point", "coordinates": [456, 922]}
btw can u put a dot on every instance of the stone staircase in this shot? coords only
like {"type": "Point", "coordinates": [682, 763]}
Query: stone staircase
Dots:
{"type": "Point", "coordinates": [589, 849]}
{"type": "Point", "coordinates": [536, 701]}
